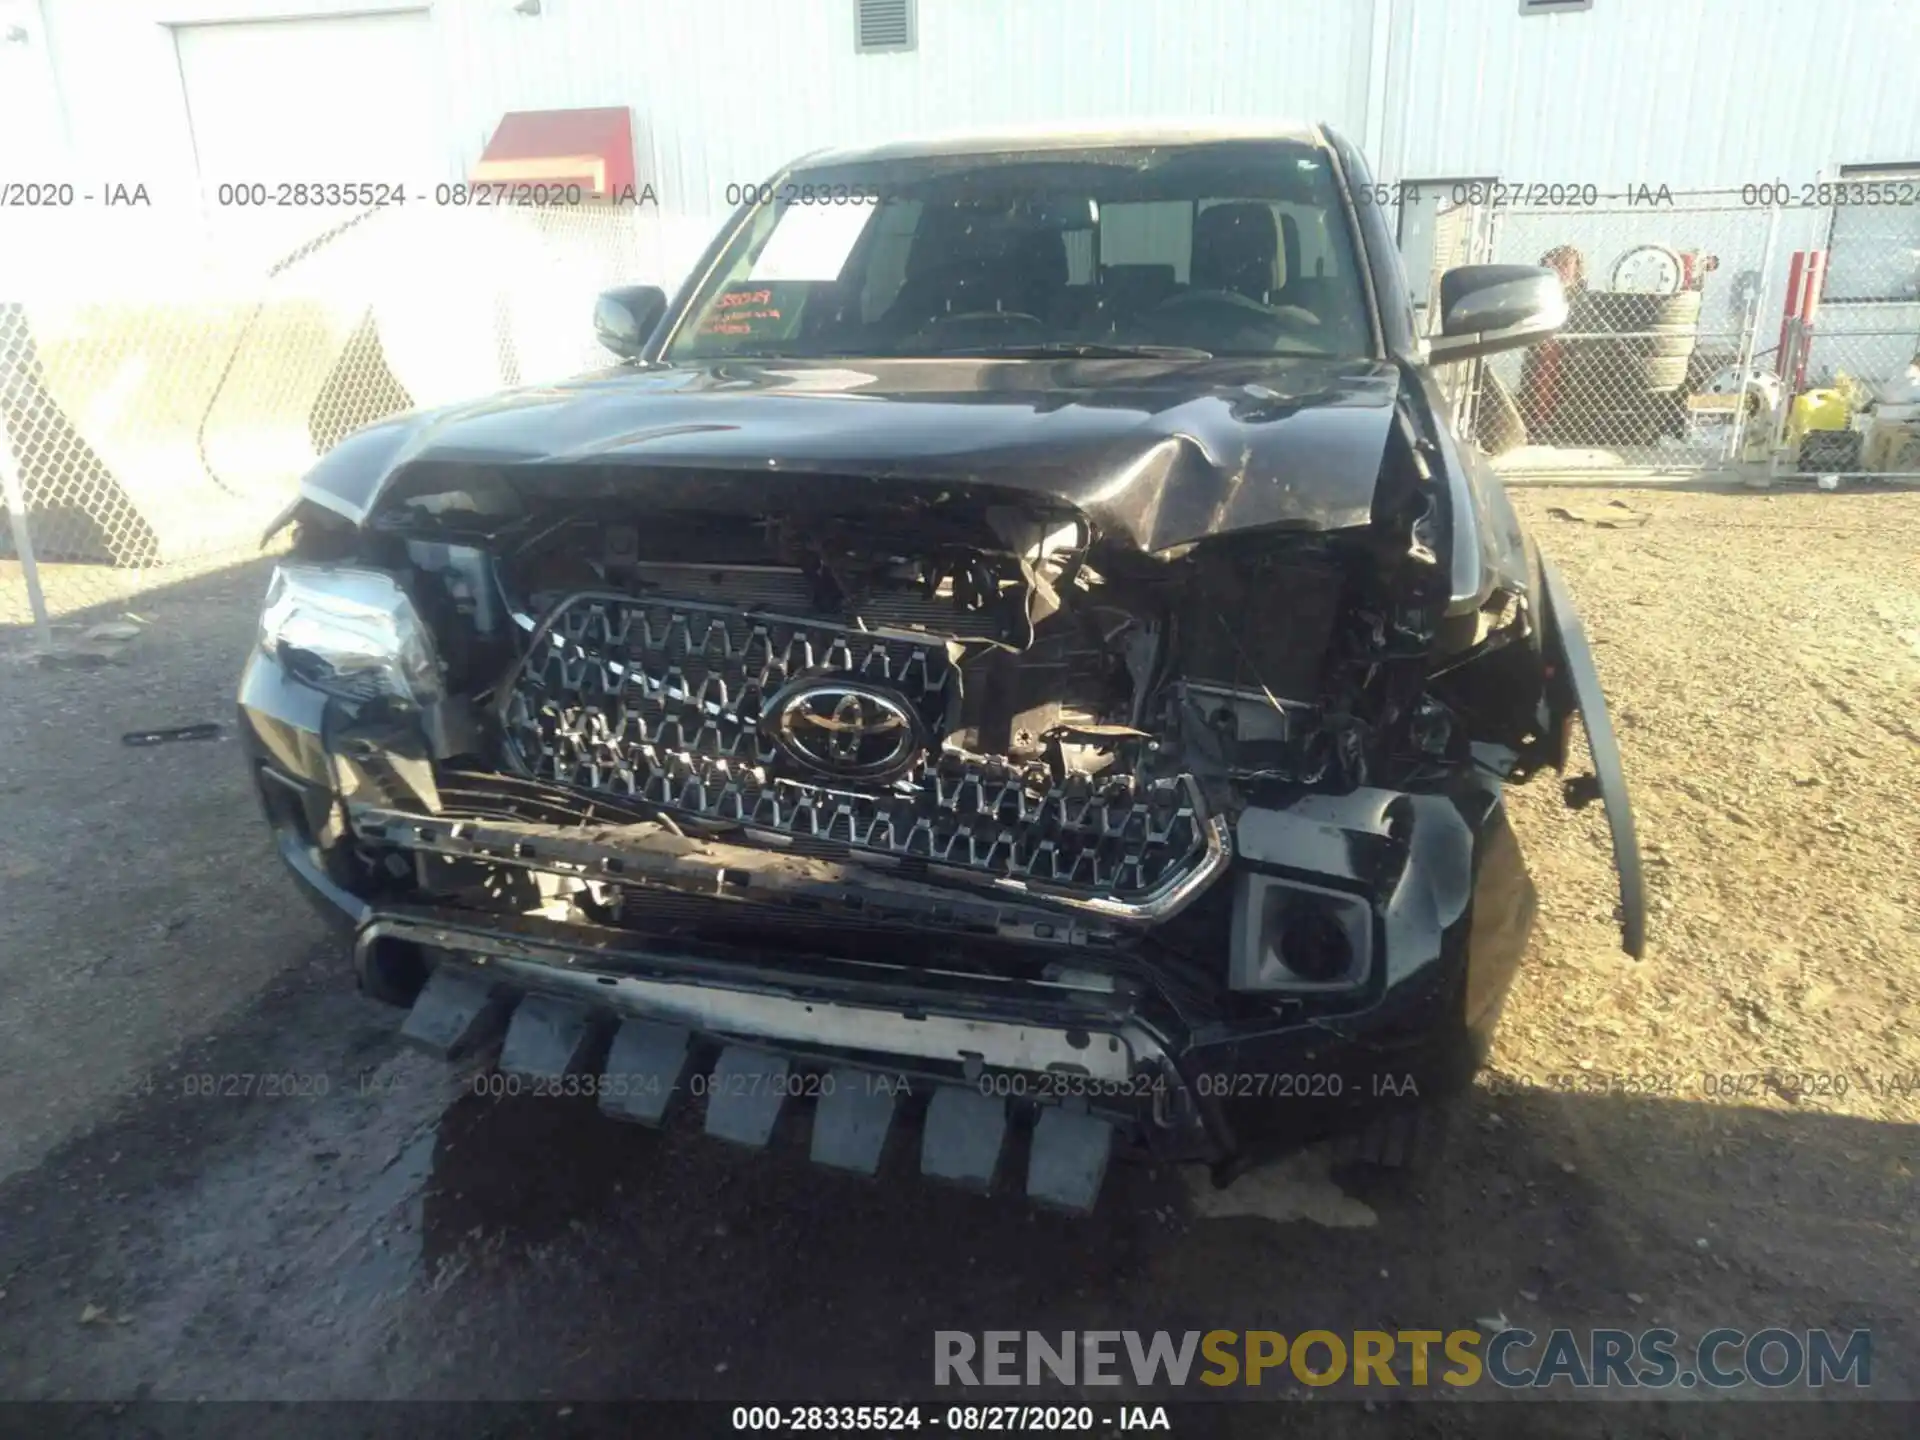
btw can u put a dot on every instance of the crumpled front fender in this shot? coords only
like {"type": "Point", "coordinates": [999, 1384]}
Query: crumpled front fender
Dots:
{"type": "Point", "coordinates": [1573, 686]}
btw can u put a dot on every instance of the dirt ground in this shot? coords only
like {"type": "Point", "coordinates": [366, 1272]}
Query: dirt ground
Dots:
{"type": "Point", "coordinates": [1724, 1133]}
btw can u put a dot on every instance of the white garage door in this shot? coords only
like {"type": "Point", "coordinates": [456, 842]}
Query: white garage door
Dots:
{"type": "Point", "coordinates": [316, 101]}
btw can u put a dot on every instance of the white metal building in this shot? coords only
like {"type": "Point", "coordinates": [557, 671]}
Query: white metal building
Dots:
{"type": "Point", "coordinates": [1688, 93]}
{"type": "Point", "coordinates": [197, 375]}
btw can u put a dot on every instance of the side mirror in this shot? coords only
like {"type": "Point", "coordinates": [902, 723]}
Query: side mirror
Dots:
{"type": "Point", "coordinates": [624, 318]}
{"type": "Point", "coordinates": [1488, 308]}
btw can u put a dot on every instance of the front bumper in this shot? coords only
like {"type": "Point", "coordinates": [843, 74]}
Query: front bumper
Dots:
{"type": "Point", "coordinates": [1125, 1053]}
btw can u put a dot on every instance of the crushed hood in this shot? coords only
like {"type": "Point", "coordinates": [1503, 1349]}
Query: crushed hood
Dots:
{"type": "Point", "coordinates": [1158, 452]}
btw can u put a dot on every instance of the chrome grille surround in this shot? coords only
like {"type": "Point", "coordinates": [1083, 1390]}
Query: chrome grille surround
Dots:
{"type": "Point", "coordinates": [660, 700]}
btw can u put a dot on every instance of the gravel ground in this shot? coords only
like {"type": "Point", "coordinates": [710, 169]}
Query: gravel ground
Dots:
{"type": "Point", "coordinates": [1723, 1133]}
{"type": "Point", "coordinates": [1762, 653]}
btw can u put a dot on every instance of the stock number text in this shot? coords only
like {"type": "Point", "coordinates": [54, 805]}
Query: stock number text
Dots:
{"type": "Point", "coordinates": [294, 194]}
{"type": "Point", "coordinates": [1823, 193]}
{"type": "Point", "coordinates": [770, 194]}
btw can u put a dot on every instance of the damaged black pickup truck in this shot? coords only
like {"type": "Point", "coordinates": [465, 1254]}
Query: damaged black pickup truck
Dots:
{"type": "Point", "coordinates": [1012, 662]}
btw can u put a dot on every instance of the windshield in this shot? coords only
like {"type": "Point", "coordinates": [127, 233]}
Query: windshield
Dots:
{"type": "Point", "coordinates": [1220, 249]}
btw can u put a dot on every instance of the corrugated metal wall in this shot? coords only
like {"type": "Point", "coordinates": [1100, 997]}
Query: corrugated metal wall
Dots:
{"type": "Point", "coordinates": [1692, 93]}
{"type": "Point", "coordinates": [727, 90]}
{"type": "Point", "coordinates": [733, 87]}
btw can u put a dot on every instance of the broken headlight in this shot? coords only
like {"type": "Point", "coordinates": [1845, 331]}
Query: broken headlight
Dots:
{"type": "Point", "coordinates": [352, 633]}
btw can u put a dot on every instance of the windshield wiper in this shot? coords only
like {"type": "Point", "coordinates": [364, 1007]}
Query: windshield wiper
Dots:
{"type": "Point", "coordinates": [1085, 349]}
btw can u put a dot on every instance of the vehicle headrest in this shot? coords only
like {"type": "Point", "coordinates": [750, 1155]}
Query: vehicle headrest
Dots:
{"type": "Point", "coordinates": [1236, 247]}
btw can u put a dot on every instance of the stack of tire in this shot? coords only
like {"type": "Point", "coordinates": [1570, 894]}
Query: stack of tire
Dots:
{"type": "Point", "coordinates": [1629, 390]}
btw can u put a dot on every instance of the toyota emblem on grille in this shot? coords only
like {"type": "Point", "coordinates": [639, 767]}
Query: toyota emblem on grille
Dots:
{"type": "Point", "coordinates": [844, 729]}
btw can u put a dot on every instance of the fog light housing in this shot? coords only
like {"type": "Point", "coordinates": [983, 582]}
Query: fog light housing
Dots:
{"type": "Point", "coordinates": [1312, 939]}
{"type": "Point", "coordinates": [1290, 936]}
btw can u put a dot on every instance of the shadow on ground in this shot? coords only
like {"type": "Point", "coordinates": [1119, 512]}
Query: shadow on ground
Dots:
{"type": "Point", "coordinates": [401, 1235]}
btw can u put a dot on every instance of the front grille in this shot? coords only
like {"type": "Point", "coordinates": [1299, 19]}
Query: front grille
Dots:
{"type": "Point", "coordinates": [661, 700]}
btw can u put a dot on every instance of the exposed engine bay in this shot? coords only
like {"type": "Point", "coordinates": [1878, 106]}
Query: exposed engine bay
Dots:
{"type": "Point", "coordinates": [968, 687]}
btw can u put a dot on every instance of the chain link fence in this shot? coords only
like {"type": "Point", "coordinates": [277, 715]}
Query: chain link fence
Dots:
{"type": "Point", "coordinates": [1676, 357]}
{"type": "Point", "coordinates": [152, 427]}
{"type": "Point", "coordinates": [1663, 304]}
{"type": "Point", "coordinates": [1862, 349]}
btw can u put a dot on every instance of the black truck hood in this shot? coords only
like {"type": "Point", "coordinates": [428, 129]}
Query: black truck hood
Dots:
{"type": "Point", "coordinates": [1157, 452]}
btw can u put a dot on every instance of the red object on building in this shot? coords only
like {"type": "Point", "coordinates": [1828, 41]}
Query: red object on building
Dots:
{"type": "Point", "coordinates": [589, 148]}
